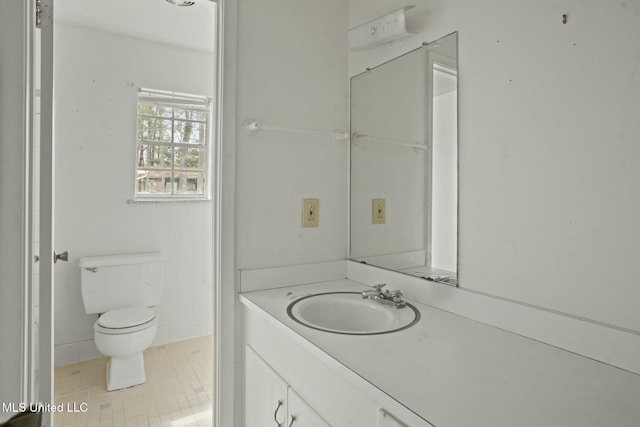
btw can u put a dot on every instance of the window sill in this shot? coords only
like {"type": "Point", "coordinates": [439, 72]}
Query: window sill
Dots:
{"type": "Point", "coordinates": [166, 200]}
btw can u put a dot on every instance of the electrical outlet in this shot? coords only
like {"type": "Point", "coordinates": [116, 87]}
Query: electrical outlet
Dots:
{"type": "Point", "coordinates": [310, 212]}
{"type": "Point", "coordinates": [378, 211]}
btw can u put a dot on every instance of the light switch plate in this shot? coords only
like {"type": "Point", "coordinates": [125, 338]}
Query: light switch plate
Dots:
{"type": "Point", "coordinates": [310, 212]}
{"type": "Point", "coordinates": [378, 211]}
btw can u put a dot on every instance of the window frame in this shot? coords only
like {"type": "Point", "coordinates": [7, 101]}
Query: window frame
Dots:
{"type": "Point", "coordinates": [179, 101]}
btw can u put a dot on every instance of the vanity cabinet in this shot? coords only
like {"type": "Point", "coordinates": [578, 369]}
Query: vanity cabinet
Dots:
{"type": "Point", "coordinates": [282, 367]}
{"type": "Point", "coordinates": [301, 414]}
{"type": "Point", "coordinates": [265, 393]}
{"type": "Point", "coordinates": [270, 401]}
{"type": "Point", "coordinates": [446, 370]}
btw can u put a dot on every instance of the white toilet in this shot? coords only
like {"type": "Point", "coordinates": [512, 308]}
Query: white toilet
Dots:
{"type": "Point", "coordinates": [122, 290]}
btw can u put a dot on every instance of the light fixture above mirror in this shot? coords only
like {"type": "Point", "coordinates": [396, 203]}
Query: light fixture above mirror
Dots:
{"type": "Point", "coordinates": [385, 29]}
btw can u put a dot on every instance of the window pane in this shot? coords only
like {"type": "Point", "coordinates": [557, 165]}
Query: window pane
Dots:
{"type": "Point", "coordinates": [150, 109]}
{"type": "Point", "coordinates": [180, 113]}
{"type": "Point", "coordinates": [153, 129]}
{"type": "Point", "coordinates": [191, 114]}
{"type": "Point", "coordinates": [165, 111]}
{"type": "Point", "coordinates": [154, 156]}
{"type": "Point", "coordinates": [189, 132]}
{"type": "Point", "coordinates": [190, 182]}
{"type": "Point", "coordinates": [154, 182]}
{"type": "Point", "coordinates": [190, 158]}
{"type": "Point", "coordinates": [147, 109]}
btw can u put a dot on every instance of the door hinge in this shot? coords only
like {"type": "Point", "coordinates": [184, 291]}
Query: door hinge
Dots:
{"type": "Point", "coordinates": [38, 13]}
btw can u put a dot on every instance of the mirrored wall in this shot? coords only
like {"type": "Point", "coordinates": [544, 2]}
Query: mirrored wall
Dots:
{"type": "Point", "coordinates": [404, 163]}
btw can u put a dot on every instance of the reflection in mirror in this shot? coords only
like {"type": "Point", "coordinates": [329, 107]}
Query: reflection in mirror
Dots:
{"type": "Point", "coordinates": [404, 163]}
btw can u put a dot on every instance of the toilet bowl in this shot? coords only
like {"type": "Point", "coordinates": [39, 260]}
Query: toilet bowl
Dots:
{"type": "Point", "coordinates": [122, 290]}
{"type": "Point", "coordinates": [123, 334]}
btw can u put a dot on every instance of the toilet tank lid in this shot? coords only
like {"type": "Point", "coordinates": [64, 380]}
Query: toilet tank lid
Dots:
{"type": "Point", "coordinates": [122, 259]}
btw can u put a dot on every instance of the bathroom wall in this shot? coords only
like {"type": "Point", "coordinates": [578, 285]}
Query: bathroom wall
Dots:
{"type": "Point", "coordinates": [291, 72]}
{"type": "Point", "coordinates": [97, 78]}
{"type": "Point", "coordinates": [548, 131]}
{"type": "Point", "coordinates": [285, 64]}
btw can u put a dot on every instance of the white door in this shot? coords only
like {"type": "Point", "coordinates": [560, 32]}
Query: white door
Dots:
{"type": "Point", "coordinates": [25, 186]}
{"type": "Point", "coordinates": [15, 34]}
{"type": "Point", "coordinates": [45, 209]}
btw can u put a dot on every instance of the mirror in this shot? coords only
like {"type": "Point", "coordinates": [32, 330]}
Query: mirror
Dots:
{"type": "Point", "coordinates": [404, 163]}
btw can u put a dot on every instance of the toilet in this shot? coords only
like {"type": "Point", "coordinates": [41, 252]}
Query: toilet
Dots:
{"type": "Point", "coordinates": [123, 291]}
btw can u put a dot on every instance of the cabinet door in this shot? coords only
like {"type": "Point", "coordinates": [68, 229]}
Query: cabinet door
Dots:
{"type": "Point", "coordinates": [300, 414]}
{"type": "Point", "coordinates": [265, 393]}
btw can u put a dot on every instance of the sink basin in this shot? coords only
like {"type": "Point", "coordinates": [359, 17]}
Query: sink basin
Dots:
{"type": "Point", "coordinates": [349, 313]}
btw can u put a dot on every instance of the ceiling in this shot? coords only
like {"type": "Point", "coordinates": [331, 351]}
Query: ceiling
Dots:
{"type": "Point", "coordinates": [189, 27]}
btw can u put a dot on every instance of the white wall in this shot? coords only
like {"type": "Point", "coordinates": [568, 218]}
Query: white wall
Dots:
{"type": "Point", "coordinates": [548, 135]}
{"type": "Point", "coordinates": [97, 77]}
{"type": "Point", "coordinates": [13, 145]}
{"type": "Point", "coordinates": [292, 61]}
{"type": "Point", "coordinates": [286, 63]}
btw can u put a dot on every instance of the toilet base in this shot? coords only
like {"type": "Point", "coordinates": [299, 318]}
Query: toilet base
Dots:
{"type": "Point", "coordinates": [123, 372]}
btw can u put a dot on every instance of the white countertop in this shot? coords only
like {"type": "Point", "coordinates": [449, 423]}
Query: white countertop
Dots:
{"type": "Point", "coordinates": [453, 371]}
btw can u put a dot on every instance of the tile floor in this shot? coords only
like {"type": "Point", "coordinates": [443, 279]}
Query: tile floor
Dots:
{"type": "Point", "coordinates": [178, 391]}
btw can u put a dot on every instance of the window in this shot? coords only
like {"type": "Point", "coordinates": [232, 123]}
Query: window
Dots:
{"type": "Point", "coordinates": [172, 149]}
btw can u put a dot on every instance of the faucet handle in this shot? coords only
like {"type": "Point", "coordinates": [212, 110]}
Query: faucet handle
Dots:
{"type": "Point", "coordinates": [375, 292]}
{"type": "Point", "coordinates": [379, 286]}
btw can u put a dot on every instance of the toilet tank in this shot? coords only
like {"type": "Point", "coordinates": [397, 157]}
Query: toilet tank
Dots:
{"type": "Point", "coordinates": [117, 281]}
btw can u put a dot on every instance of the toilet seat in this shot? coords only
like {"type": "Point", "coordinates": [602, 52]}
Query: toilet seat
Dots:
{"type": "Point", "coordinates": [126, 320]}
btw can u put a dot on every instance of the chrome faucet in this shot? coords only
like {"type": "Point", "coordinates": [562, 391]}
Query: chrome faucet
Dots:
{"type": "Point", "coordinates": [386, 297]}
{"type": "Point", "coordinates": [377, 289]}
